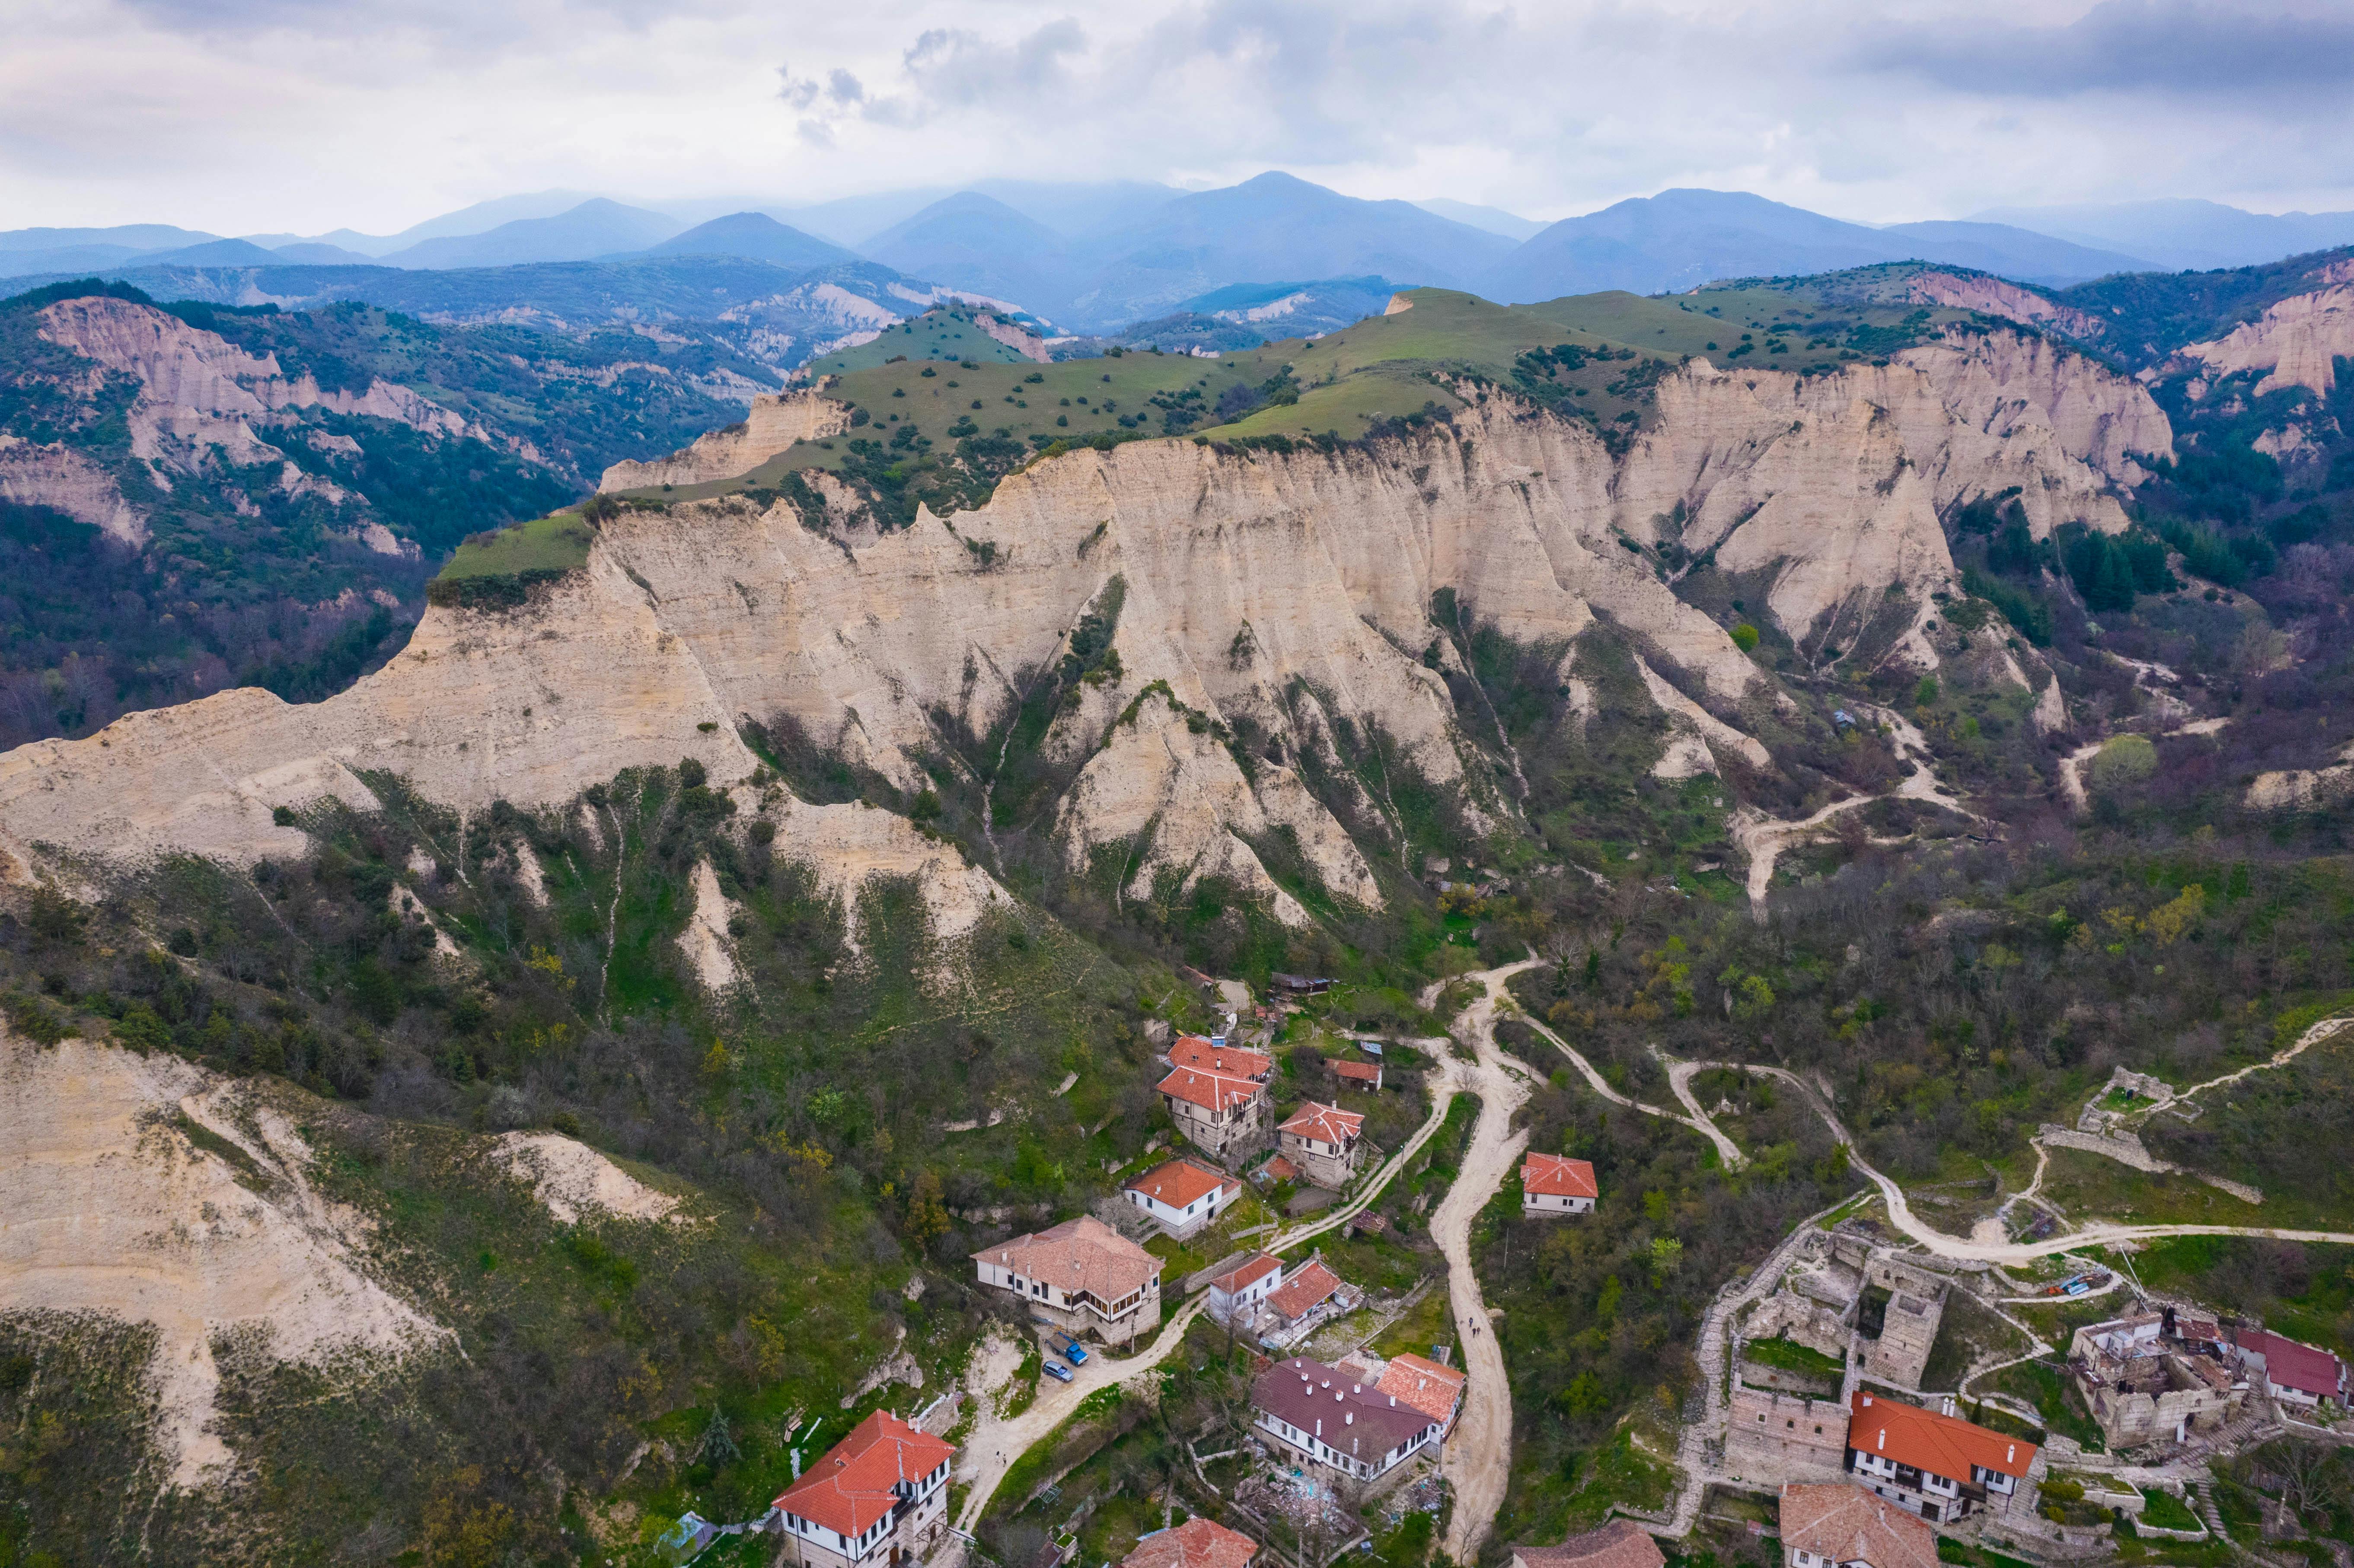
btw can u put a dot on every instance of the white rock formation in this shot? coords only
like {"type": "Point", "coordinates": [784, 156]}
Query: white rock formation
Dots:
{"type": "Point", "coordinates": [574, 1182]}
{"type": "Point", "coordinates": [1994, 297]}
{"type": "Point", "coordinates": [2297, 340]}
{"type": "Point", "coordinates": [772, 425]}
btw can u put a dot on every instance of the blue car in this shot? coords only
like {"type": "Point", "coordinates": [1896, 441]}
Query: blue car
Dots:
{"type": "Point", "coordinates": [1058, 1371]}
{"type": "Point", "coordinates": [1073, 1353]}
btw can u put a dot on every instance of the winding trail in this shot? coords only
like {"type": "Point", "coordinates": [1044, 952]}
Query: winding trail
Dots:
{"type": "Point", "coordinates": [1764, 839]}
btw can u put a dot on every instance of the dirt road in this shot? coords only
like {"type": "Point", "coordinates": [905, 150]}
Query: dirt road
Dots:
{"type": "Point", "coordinates": [1478, 1459]}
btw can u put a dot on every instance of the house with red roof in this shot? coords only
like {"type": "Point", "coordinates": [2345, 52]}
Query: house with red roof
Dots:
{"type": "Point", "coordinates": [1843, 1526]}
{"type": "Point", "coordinates": [1216, 1056]}
{"type": "Point", "coordinates": [1183, 1195]}
{"type": "Point", "coordinates": [1237, 1296]}
{"type": "Point", "coordinates": [1197, 1543]}
{"type": "Point", "coordinates": [1321, 1140]}
{"type": "Point", "coordinates": [1621, 1544]}
{"type": "Point", "coordinates": [1358, 1075]}
{"type": "Point", "coordinates": [1304, 1289]}
{"type": "Point", "coordinates": [1082, 1276]}
{"type": "Point", "coordinates": [2293, 1372]}
{"type": "Point", "coordinates": [879, 1497]}
{"type": "Point", "coordinates": [1939, 1466]}
{"type": "Point", "coordinates": [1223, 1115]}
{"type": "Point", "coordinates": [1552, 1186]}
{"type": "Point", "coordinates": [1418, 1380]}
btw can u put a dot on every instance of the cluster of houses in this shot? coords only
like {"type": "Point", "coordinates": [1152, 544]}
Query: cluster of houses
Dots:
{"type": "Point", "coordinates": [1823, 1525]}
{"type": "Point", "coordinates": [2158, 1377]}
{"type": "Point", "coordinates": [1929, 1462]}
{"type": "Point", "coordinates": [1218, 1096]}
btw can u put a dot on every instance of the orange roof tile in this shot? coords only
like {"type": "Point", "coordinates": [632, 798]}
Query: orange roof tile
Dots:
{"type": "Point", "coordinates": [1308, 1284]}
{"type": "Point", "coordinates": [1943, 1444]}
{"type": "Point", "coordinates": [1551, 1175]}
{"type": "Point", "coordinates": [1329, 1123]}
{"type": "Point", "coordinates": [1193, 1051]}
{"type": "Point", "coordinates": [1180, 1183]}
{"type": "Point", "coordinates": [1247, 1273]}
{"type": "Point", "coordinates": [1197, 1543]}
{"type": "Point", "coordinates": [1621, 1544]}
{"type": "Point", "coordinates": [849, 1488]}
{"type": "Point", "coordinates": [1363, 1071]}
{"type": "Point", "coordinates": [1280, 1169]}
{"type": "Point", "coordinates": [1846, 1523]}
{"type": "Point", "coordinates": [1216, 1092]}
{"type": "Point", "coordinates": [1423, 1384]}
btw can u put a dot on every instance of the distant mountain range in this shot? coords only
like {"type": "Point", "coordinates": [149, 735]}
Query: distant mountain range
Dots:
{"type": "Point", "coordinates": [1115, 258]}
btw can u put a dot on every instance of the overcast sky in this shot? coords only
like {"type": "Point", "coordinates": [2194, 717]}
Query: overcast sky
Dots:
{"type": "Point", "coordinates": [246, 115]}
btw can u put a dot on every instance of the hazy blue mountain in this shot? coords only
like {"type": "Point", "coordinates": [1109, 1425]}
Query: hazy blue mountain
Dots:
{"type": "Point", "coordinates": [1494, 219]}
{"type": "Point", "coordinates": [1271, 227]}
{"type": "Point", "coordinates": [2183, 233]}
{"type": "Point", "coordinates": [480, 217]}
{"type": "Point", "coordinates": [1243, 315]}
{"type": "Point", "coordinates": [212, 253]}
{"type": "Point", "coordinates": [65, 258]}
{"type": "Point", "coordinates": [756, 235]}
{"type": "Point", "coordinates": [1082, 207]}
{"type": "Point", "coordinates": [594, 228]}
{"type": "Point", "coordinates": [978, 243]}
{"type": "Point", "coordinates": [2013, 252]}
{"type": "Point", "coordinates": [130, 236]}
{"type": "Point", "coordinates": [317, 253]}
{"type": "Point", "coordinates": [853, 221]}
{"type": "Point", "coordinates": [1683, 238]}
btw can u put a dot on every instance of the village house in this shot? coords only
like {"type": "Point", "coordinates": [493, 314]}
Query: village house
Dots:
{"type": "Point", "coordinates": [1197, 1543]}
{"type": "Point", "coordinates": [2294, 1373]}
{"type": "Point", "coordinates": [1771, 1437]}
{"type": "Point", "coordinates": [1222, 1114]}
{"type": "Point", "coordinates": [1319, 1415]}
{"type": "Point", "coordinates": [1940, 1466]}
{"type": "Point", "coordinates": [1844, 1526]}
{"type": "Point", "coordinates": [1235, 1296]}
{"type": "Point", "coordinates": [1358, 1075]}
{"type": "Point", "coordinates": [1216, 1056]}
{"type": "Point", "coordinates": [1082, 1276]}
{"type": "Point", "coordinates": [1183, 1196]}
{"type": "Point", "coordinates": [1321, 1140]}
{"type": "Point", "coordinates": [879, 1497]}
{"type": "Point", "coordinates": [2154, 1378]}
{"type": "Point", "coordinates": [1293, 1304]}
{"type": "Point", "coordinates": [1552, 1186]}
{"type": "Point", "coordinates": [1621, 1544]}
{"type": "Point", "coordinates": [1434, 1390]}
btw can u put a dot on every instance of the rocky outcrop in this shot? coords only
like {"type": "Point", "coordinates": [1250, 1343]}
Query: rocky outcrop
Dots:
{"type": "Point", "coordinates": [2297, 340]}
{"type": "Point", "coordinates": [773, 425]}
{"type": "Point", "coordinates": [1992, 296]}
{"type": "Point", "coordinates": [2303, 789]}
{"type": "Point", "coordinates": [59, 477]}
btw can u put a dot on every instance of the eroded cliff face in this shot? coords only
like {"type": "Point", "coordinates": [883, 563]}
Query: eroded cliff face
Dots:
{"type": "Point", "coordinates": [1282, 602]}
{"type": "Point", "coordinates": [2006, 301]}
{"type": "Point", "coordinates": [2297, 340]}
{"type": "Point", "coordinates": [772, 425]}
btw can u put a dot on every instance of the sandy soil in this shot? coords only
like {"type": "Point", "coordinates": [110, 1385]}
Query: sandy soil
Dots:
{"type": "Point", "coordinates": [572, 1179]}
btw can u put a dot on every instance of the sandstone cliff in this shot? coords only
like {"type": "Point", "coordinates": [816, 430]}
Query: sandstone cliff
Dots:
{"type": "Point", "coordinates": [1994, 297]}
{"type": "Point", "coordinates": [2297, 340]}
{"type": "Point", "coordinates": [773, 425]}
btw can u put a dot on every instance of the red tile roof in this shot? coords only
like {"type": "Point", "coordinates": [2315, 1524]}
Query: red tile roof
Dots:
{"type": "Point", "coordinates": [1423, 1384]}
{"type": "Point", "coordinates": [1083, 1253]}
{"type": "Point", "coordinates": [2293, 1365]}
{"type": "Point", "coordinates": [1280, 1169]}
{"type": "Point", "coordinates": [1216, 1092]}
{"type": "Point", "coordinates": [1308, 1284]}
{"type": "Point", "coordinates": [849, 1488]}
{"type": "Point", "coordinates": [1846, 1523]}
{"type": "Point", "coordinates": [1181, 1181]}
{"type": "Point", "coordinates": [1329, 1123]}
{"type": "Point", "coordinates": [1359, 1072]}
{"type": "Point", "coordinates": [1193, 1051]}
{"type": "Point", "coordinates": [1248, 1273]}
{"type": "Point", "coordinates": [1197, 1543]}
{"type": "Point", "coordinates": [1621, 1544]}
{"type": "Point", "coordinates": [1551, 1175]}
{"type": "Point", "coordinates": [1943, 1444]}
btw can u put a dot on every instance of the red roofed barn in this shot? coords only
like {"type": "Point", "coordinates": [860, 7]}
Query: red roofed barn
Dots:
{"type": "Point", "coordinates": [878, 1497]}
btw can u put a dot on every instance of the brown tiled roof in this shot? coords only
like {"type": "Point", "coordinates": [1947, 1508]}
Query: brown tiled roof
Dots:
{"type": "Point", "coordinates": [1280, 1169]}
{"type": "Point", "coordinates": [1552, 1175]}
{"type": "Point", "coordinates": [849, 1488]}
{"type": "Point", "coordinates": [1621, 1544]}
{"type": "Point", "coordinates": [1211, 1091]}
{"type": "Point", "coordinates": [1197, 1543]}
{"type": "Point", "coordinates": [1193, 1051]}
{"type": "Point", "coordinates": [1181, 1181]}
{"type": "Point", "coordinates": [1361, 1072]}
{"type": "Point", "coordinates": [1354, 1418]}
{"type": "Point", "coordinates": [1308, 1284]}
{"type": "Point", "coordinates": [1848, 1524]}
{"type": "Point", "coordinates": [1943, 1444]}
{"type": "Point", "coordinates": [1247, 1273]}
{"type": "Point", "coordinates": [1083, 1253]}
{"type": "Point", "coordinates": [1423, 1384]}
{"type": "Point", "coordinates": [1330, 1123]}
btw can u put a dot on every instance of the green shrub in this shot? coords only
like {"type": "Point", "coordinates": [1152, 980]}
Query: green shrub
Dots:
{"type": "Point", "coordinates": [1744, 636]}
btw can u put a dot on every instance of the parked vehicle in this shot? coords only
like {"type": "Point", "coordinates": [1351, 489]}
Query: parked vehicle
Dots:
{"type": "Point", "coordinates": [1072, 1352]}
{"type": "Point", "coordinates": [1058, 1371]}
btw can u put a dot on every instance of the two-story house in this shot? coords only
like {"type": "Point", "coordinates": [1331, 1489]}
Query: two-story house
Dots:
{"type": "Point", "coordinates": [1552, 1186]}
{"type": "Point", "coordinates": [1223, 1115]}
{"type": "Point", "coordinates": [1217, 1056]}
{"type": "Point", "coordinates": [1940, 1466]}
{"type": "Point", "coordinates": [879, 1497]}
{"type": "Point", "coordinates": [1317, 1413]}
{"type": "Point", "coordinates": [1082, 1276]}
{"type": "Point", "coordinates": [1321, 1141]}
{"type": "Point", "coordinates": [1237, 1296]}
{"type": "Point", "coordinates": [1842, 1526]}
{"type": "Point", "coordinates": [1183, 1195]}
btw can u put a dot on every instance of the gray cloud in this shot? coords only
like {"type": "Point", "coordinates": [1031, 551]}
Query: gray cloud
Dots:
{"type": "Point", "coordinates": [2157, 47]}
